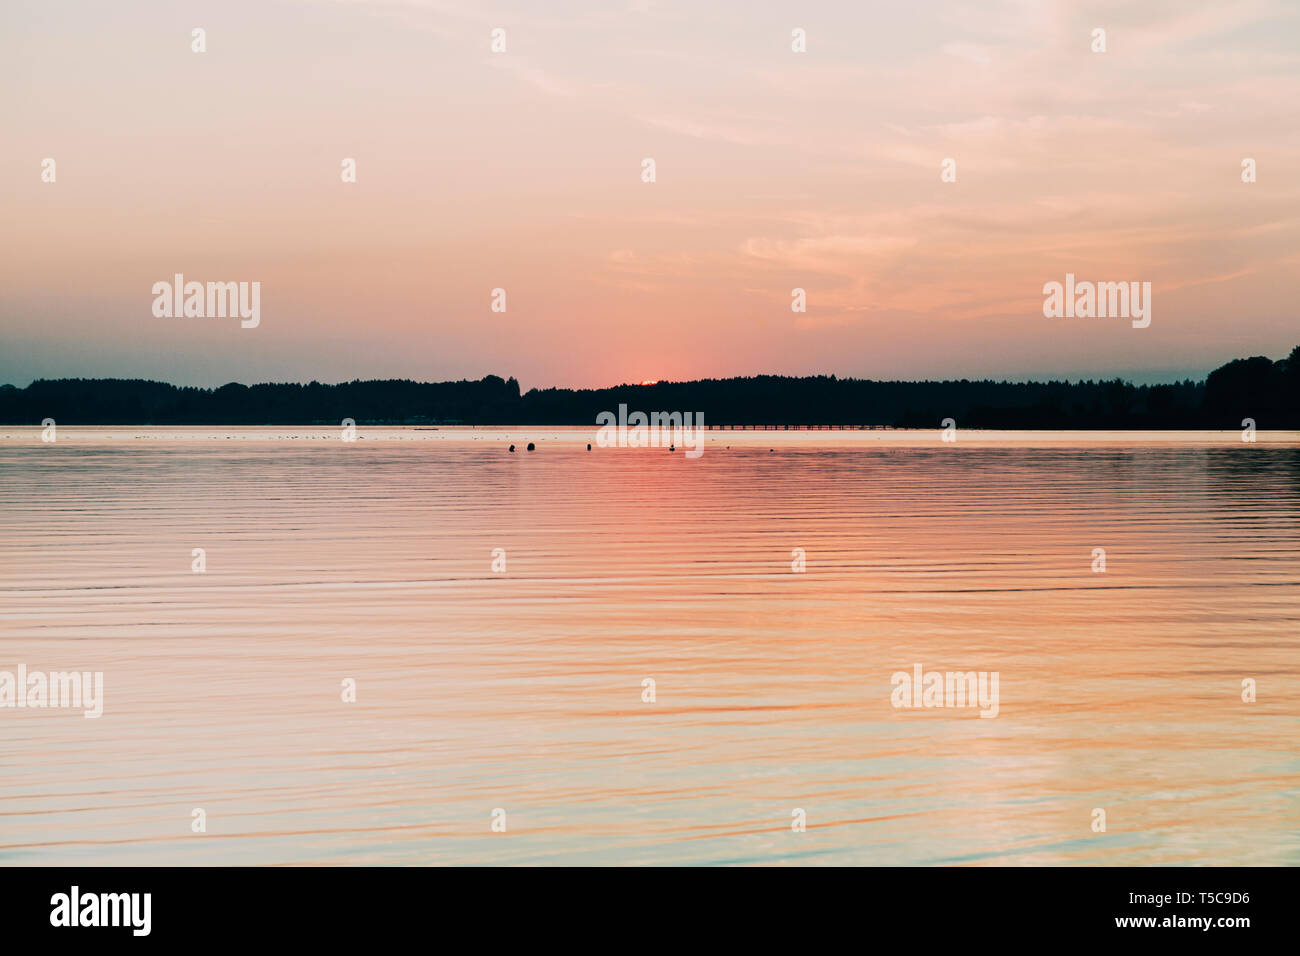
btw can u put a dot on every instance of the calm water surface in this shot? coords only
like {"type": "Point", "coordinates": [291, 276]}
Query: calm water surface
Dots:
{"type": "Point", "coordinates": [523, 690]}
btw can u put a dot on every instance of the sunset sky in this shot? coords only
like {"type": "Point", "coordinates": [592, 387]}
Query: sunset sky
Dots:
{"type": "Point", "coordinates": [522, 170]}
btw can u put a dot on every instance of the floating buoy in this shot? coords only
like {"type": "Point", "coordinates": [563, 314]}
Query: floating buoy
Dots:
{"type": "Point", "coordinates": [512, 447]}
{"type": "Point", "coordinates": [532, 447]}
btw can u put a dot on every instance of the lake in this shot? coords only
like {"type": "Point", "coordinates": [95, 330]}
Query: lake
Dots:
{"type": "Point", "coordinates": [499, 616]}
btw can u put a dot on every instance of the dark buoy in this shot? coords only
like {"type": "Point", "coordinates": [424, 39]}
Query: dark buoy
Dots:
{"type": "Point", "coordinates": [588, 446]}
{"type": "Point", "coordinates": [512, 447]}
{"type": "Point", "coordinates": [532, 447]}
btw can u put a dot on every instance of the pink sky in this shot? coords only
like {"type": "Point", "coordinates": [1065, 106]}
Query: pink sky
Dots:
{"type": "Point", "coordinates": [521, 170]}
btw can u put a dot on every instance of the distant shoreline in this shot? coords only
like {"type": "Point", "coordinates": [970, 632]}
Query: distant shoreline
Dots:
{"type": "Point", "coordinates": [575, 439]}
{"type": "Point", "coordinates": [1259, 390]}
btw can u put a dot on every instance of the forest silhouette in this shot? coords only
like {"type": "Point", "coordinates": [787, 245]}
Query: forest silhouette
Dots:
{"type": "Point", "coordinates": [1256, 388]}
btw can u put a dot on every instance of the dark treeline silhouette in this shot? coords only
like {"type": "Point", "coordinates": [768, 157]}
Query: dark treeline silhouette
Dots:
{"type": "Point", "coordinates": [1257, 388]}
